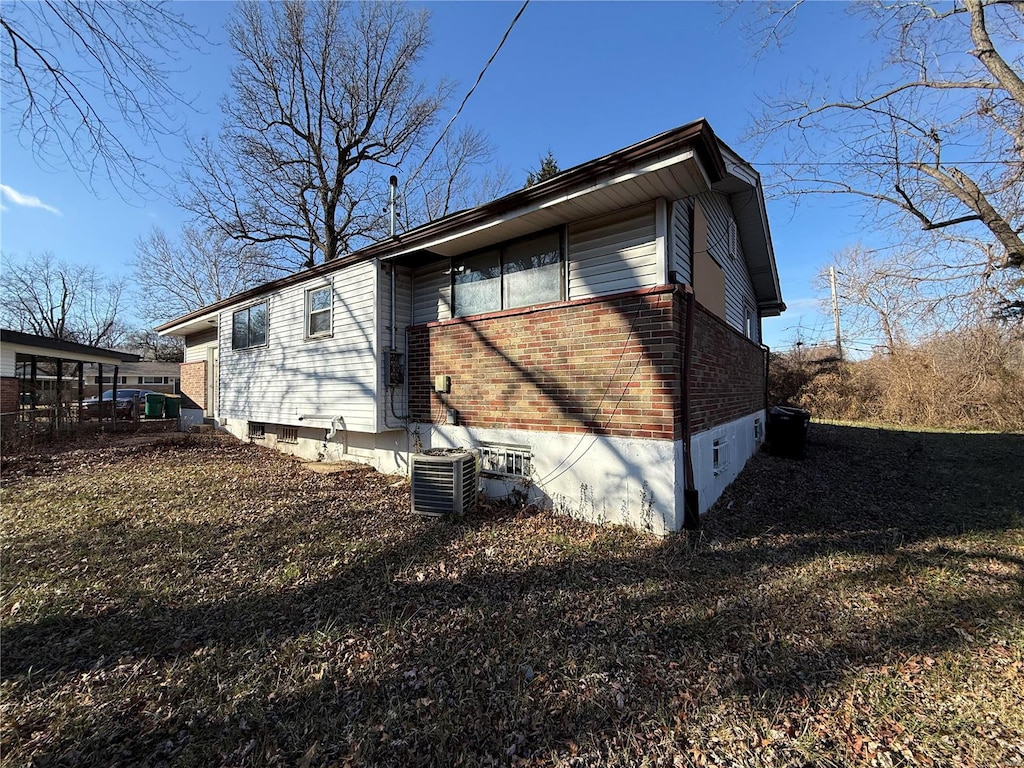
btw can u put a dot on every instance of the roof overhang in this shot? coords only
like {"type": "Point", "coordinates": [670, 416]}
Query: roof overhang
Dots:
{"type": "Point", "coordinates": [675, 164]}
{"type": "Point", "coordinates": [204, 320]}
{"type": "Point", "coordinates": [30, 345]}
{"type": "Point", "coordinates": [743, 184]}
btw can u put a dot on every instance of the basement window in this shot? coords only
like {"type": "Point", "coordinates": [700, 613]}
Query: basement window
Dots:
{"type": "Point", "coordinates": [287, 434]}
{"type": "Point", "coordinates": [758, 431]}
{"type": "Point", "coordinates": [257, 430]}
{"type": "Point", "coordinates": [498, 460]}
{"type": "Point", "coordinates": [719, 455]}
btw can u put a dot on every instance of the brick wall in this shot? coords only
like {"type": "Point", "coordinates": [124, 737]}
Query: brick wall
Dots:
{"type": "Point", "coordinates": [9, 400]}
{"type": "Point", "coordinates": [193, 384]}
{"type": "Point", "coordinates": [727, 374]}
{"type": "Point", "coordinates": [609, 365]}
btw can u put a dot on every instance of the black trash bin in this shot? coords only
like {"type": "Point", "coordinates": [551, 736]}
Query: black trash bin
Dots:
{"type": "Point", "coordinates": [787, 430]}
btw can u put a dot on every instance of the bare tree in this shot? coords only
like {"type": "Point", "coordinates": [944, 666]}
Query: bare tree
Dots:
{"type": "Point", "coordinates": [90, 82]}
{"type": "Point", "coordinates": [152, 346]}
{"type": "Point", "coordinates": [175, 277]}
{"type": "Point", "coordinates": [60, 300]}
{"type": "Point", "coordinates": [931, 133]}
{"type": "Point", "coordinates": [895, 298]}
{"type": "Point", "coordinates": [324, 105]}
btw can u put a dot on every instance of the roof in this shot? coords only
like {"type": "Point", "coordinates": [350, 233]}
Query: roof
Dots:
{"type": "Point", "coordinates": [661, 157]}
{"type": "Point", "coordinates": [66, 349]}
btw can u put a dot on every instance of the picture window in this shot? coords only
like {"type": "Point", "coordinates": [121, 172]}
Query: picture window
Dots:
{"type": "Point", "coordinates": [518, 274]}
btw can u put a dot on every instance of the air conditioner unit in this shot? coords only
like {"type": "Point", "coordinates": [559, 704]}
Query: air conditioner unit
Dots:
{"type": "Point", "coordinates": [444, 482]}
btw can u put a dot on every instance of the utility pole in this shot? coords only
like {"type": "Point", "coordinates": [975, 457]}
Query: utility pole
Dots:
{"type": "Point", "coordinates": [835, 310]}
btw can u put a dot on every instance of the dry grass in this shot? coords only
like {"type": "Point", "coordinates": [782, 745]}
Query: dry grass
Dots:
{"type": "Point", "coordinates": [202, 602]}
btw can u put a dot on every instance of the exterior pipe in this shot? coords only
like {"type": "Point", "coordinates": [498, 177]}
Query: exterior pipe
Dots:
{"type": "Point", "coordinates": [393, 183]}
{"type": "Point", "coordinates": [691, 501]}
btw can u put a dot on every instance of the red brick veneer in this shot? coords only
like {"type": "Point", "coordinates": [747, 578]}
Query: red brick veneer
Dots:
{"type": "Point", "coordinates": [609, 365]}
{"type": "Point", "coordinates": [193, 384]}
{"type": "Point", "coordinates": [727, 374]}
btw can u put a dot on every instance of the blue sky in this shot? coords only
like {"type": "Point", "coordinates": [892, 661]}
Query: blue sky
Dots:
{"type": "Point", "coordinates": [580, 79]}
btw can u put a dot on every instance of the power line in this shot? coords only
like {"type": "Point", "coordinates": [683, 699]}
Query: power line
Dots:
{"type": "Point", "coordinates": [865, 164]}
{"type": "Point", "coordinates": [470, 92]}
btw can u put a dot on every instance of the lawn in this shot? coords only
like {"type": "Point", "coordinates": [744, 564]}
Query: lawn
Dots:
{"type": "Point", "coordinates": [201, 602]}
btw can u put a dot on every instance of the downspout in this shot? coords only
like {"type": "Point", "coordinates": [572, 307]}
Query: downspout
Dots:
{"type": "Point", "coordinates": [767, 370]}
{"type": "Point", "coordinates": [691, 501]}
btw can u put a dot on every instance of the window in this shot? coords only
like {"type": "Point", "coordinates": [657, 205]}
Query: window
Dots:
{"type": "Point", "coordinates": [719, 455]}
{"type": "Point", "coordinates": [505, 460]}
{"type": "Point", "coordinates": [517, 274]}
{"type": "Point", "coordinates": [153, 380]}
{"type": "Point", "coordinates": [318, 312]}
{"type": "Point", "coordinates": [287, 434]}
{"type": "Point", "coordinates": [734, 240]}
{"type": "Point", "coordinates": [750, 322]}
{"type": "Point", "coordinates": [249, 327]}
{"type": "Point", "coordinates": [257, 430]}
{"type": "Point", "coordinates": [110, 380]}
{"type": "Point", "coordinates": [758, 430]}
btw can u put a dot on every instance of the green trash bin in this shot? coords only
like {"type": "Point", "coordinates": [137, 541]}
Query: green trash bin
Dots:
{"type": "Point", "coordinates": [172, 406]}
{"type": "Point", "coordinates": [155, 405]}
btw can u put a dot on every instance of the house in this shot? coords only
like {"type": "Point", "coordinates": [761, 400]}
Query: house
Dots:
{"type": "Point", "coordinates": [154, 375]}
{"type": "Point", "coordinates": [596, 337]}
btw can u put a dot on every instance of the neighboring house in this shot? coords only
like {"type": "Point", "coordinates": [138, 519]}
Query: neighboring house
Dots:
{"type": "Point", "coordinates": [146, 374]}
{"type": "Point", "coordinates": [595, 336]}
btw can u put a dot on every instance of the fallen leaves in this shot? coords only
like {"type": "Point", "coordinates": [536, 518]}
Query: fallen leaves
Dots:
{"type": "Point", "coordinates": [210, 602]}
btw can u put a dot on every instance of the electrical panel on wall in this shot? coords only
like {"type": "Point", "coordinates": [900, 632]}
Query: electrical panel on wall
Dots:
{"type": "Point", "coordinates": [395, 371]}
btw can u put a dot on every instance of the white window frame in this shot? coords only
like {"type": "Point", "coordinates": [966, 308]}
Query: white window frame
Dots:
{"type": "Point", "coordinates": [257, 430]}
{"type": "Point", "coordinates": [287, 434]}
{"type": "Point", "coordinates": [309, 312]}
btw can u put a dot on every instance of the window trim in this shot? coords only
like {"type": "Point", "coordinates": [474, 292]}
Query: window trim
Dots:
{"type": "Point", "coordinates": [266, 326]}
{"type": "Point", "coordinates": [501, 247]}
{"type": "Point", "coordinates": [308, 313]}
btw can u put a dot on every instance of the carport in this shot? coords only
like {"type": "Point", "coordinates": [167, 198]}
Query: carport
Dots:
{"type": "Point", "coordinates": [42, 380]}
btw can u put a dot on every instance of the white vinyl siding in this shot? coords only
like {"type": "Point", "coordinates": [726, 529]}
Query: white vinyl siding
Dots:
{"type": "Point", "coordinates": [739, 292]}
{"type": "Point", "coordinates": [322, 379]}
{"type": "Point", "coordinates": [679, 235]}
{"type": "Point", "coordinates": [433, 297]}
{"type": "Point", "coordinates": [613, 253]}
{"type": "Point", "coordinates": [197, 344]}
